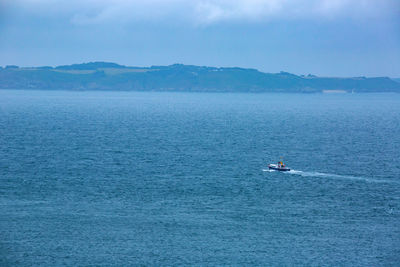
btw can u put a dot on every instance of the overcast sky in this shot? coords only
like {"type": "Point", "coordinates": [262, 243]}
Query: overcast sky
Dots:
{"type": "Point", "coordinates": [321, 37]}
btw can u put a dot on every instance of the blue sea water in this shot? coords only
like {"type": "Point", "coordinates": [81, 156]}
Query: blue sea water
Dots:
{"type": "Point", "coordinates": [130, 178]}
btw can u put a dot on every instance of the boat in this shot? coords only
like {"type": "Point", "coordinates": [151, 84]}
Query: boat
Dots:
{"type": "Point", "coordinates": [278, 167]}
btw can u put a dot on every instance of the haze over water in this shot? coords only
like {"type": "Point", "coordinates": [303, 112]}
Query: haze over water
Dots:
{"type": "Point", "coordinates": [103, 178]}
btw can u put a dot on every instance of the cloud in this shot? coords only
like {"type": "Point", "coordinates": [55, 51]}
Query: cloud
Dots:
{"type": "Point", "coordinates": [203, 12]}
{"type": "Point", "coordinates": [210, 11]}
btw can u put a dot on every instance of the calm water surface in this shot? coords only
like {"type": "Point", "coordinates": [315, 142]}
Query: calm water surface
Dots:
{"type": "Point", "coordinates": [121, 178]}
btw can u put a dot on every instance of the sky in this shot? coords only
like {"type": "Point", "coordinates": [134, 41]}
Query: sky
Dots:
{"type": "Point", "coordinates": [339, 38]}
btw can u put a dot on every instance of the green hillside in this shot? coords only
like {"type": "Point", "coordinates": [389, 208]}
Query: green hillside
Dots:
{"type": "Point", "coordinates": [111, 76]}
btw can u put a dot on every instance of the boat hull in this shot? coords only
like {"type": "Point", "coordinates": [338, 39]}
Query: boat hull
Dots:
{"type": "Point", "coordinates": [278, 169]}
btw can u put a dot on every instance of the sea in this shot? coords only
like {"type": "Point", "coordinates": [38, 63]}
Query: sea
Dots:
{"type": "Point", "coordinates": [168, 178]}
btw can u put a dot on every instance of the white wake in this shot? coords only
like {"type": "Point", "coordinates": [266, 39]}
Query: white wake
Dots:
{"type": "Point", "coordinates": [332, 176]}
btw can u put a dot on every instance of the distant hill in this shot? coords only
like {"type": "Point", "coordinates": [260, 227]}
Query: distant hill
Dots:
{"type": "Point", "coordinates": [90, 66]}
{"type": "Point", "coordinates": [178, 77]}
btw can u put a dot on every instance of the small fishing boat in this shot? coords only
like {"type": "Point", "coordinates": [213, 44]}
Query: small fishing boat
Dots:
{"type": "Point", "coordinates": [278, 167]}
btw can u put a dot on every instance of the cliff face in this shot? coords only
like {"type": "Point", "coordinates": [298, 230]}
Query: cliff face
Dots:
{"type": "Point", "coordinates": [111, 76]}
